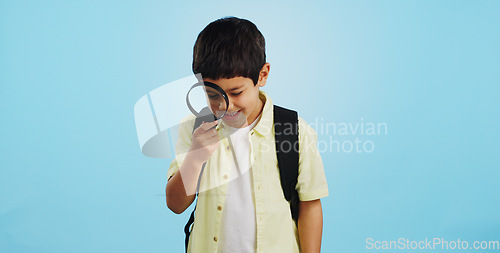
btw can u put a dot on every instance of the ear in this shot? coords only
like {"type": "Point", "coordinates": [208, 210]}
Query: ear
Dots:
{"type": "Point", "coordinates": [264, 73]}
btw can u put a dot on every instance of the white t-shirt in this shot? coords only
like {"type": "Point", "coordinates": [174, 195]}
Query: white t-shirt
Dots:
{"type": "Point", "coordinates": [238, 224]}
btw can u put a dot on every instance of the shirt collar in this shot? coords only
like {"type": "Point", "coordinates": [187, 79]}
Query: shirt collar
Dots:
{"type": "Point", "coordinates": [264, 126]}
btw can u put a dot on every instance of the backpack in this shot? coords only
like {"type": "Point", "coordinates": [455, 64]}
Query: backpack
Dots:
{"type": "Point", "coordinates": [287, 155]}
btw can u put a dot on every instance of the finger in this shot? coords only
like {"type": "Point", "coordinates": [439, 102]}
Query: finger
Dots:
{"type": "Point", "coordinates": [197, 130]}
{"type": "Point", "coordinates": [213, 139]}
{"type": "Point", "coordinates": [211, 132]}
{"type": "Point", "coordinates": [209, 140]}
{"type": "Point", "coordinates": [205, 135]}
{"type": "Point", "coordinates": [208, 125]}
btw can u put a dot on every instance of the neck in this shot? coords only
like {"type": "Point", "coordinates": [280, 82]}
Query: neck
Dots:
{"type": "Point", "coordinates": [253, 117]}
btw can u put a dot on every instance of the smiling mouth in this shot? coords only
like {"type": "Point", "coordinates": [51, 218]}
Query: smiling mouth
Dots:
{"type": "Point", "coordinates": [232, 115]}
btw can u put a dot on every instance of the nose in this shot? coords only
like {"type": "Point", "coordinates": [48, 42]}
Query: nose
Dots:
{"type": "Point", "coordinates": [231, 105]}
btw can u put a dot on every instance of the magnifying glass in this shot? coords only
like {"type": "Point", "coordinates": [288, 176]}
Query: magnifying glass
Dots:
{"type": "Point", "coordinates": [207, 99]}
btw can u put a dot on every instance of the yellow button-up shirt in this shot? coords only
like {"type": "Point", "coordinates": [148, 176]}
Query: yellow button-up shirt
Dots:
{"type": "Point", "coordinates": [276, 231]}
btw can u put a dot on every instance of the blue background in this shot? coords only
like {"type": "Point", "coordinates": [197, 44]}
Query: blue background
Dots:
{"type": "Point", "coordinates": [73, 179]}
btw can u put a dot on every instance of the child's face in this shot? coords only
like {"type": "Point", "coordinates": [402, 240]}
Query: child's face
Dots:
{"type": "Point", "coordinates": [244, 103]}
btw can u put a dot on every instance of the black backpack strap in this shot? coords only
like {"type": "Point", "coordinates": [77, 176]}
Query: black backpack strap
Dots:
{"type": "Point", "coordinates": [187, 230]}
{"type": "Point", "coordinates": [286, 128]}
{"type": "Point", "coordinates": [208, 116]}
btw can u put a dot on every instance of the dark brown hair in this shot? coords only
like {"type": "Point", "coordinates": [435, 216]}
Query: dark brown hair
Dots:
{"type": "Point", "coordinates": [229, 47]}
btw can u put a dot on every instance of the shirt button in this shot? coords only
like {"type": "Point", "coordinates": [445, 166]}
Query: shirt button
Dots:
{"type": "Point", "coordinates": [225, 177]}
{"type": "Point", "coordinates": [258, 187]}
{"type": "Point", "coordinates": [215, 238]}
{"type": "Point", "coordinates": [219, 208]}
{"type": "Point", "coordinates": [228, 148]}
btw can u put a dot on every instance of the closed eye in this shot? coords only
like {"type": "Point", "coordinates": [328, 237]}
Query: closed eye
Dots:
{"type": "Point", "coordinates": [212, 95]}
{"type": "Point", "coordinates": [236, 94]}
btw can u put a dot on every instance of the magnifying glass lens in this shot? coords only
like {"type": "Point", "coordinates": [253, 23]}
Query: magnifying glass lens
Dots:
{"type": "Point", "coordinates": [215, 101]}
{"type": "Point", "coordinates": [207, 99]}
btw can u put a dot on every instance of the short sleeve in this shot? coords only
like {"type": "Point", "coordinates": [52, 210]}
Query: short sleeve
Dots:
{"type": "Point", "coordinates": [185, 135]}
{"type": "Point", "coordinates": [311, 182]}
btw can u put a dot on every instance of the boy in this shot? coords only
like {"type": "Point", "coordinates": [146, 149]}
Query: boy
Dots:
{"type": "Point", "coordinates": [241, 205]}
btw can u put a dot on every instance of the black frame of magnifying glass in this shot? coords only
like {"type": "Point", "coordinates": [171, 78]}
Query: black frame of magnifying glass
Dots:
{"type": "Point", "coordinates": [213, 86]}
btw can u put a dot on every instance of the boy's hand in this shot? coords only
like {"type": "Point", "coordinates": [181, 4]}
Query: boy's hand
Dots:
{"type": "Point", "coordinates": [205, 142]}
